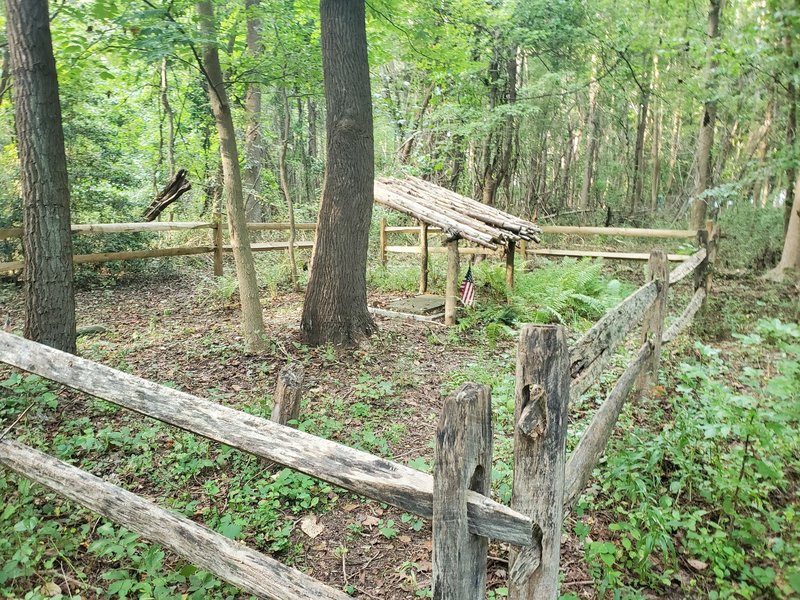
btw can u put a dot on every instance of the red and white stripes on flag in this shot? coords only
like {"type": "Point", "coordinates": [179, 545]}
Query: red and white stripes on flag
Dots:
{"type": "Point", "coordinates": [468, 289]}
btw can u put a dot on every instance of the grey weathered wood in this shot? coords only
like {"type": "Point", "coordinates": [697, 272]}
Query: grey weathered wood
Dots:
{"type": "Point", "coordinates": [620, 231]}
{"type": "Point", "coordinates": [584, 458]}
{"type": "Point", "coordinates": [686, 268]}
{"type": "Point", "coordinates": [288, 393]}
{"type": "Point", "coordinates": [451, 291]}
{"type": "Point", "coordinates": [247, 569]}
{"type": "Point", "coordinates": [463, 461]}
{"type": "Point", "coordinates": [382, 242]}
{"type": "Point", "coordinates": [591, 354]}
{"type": "Point", "coordinates": [686, 317]}
{"type": "Point", "coordinates": [653, 325]}
{"type": "Point", "coordinates": [219, 268]}
{"type": "Point", "coordinates": [538, 488]}
{"type": "Point", "coordinates": [701, 272]}
{"type": "Point", "coordinates": [510, 252]}
{"type": "Point", "coordinates": [423, 257]}
{"type": "Point", "coordinates": [536, 251]}
{"type": "Point", "coordinates": [352, 469]}
{"type": "Point", "coordinates": [393, 314]}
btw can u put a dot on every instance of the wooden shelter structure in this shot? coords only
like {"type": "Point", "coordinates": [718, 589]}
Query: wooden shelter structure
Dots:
{"type": "Point", "coordinates": [459, 218]}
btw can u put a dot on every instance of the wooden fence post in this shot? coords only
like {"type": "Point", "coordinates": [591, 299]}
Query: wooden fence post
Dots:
{"type": "Point", "coordinates": [510, 250]}
{"type": "Point", "coordinates": [288, 393]}
{"type": "Point", "coordinates": [383, 242]}
{"type": "Point", "coordinates": [463, 461]}
{"type": "Point", "coordinates": [423, 260]}
{"type": "Point", "coordinates": [542, 400]}
{"type": "Point", "coordinates": [218, 248]}
{"type": "Point", "coordinates": [653, 324]}
{"type": "Point", "coordinates": [701, 272]}
{"type": "Point", "coordinates": [451, 291]}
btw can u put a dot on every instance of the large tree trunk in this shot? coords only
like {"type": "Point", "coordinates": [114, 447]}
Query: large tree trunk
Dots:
{"type": "Point", "coordinates": [254, 152]}
{"type": "Point", "coordinates": [790, 258]}
{"type": "Point", "coordinates": [49, 293]}
{"type": "Point", "coordinates": [252, 317]}
{"type": "Point", "coordinates": [335, 308]}
{"type": "Point", "coordinates": [705, 139]}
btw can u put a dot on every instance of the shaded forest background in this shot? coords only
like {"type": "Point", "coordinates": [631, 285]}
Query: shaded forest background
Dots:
{"type": "Point", "coordinates": [587, 110]}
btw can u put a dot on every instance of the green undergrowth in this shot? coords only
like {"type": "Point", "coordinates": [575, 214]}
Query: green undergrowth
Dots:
{"type": "Point", "coordinates": [703, 494]}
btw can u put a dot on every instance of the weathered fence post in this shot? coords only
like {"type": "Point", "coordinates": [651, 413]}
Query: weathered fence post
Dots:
{"type": "Point", "coordinates": [218, 248]}
{"type": "Point", "coordinates": [510, 250]}
{"type": "Point", "coordinates": [701, 272]}
{"type": "Point", "coordinates": [288, 393]}
{"type": "Point", "coordinates": [383, 242]}
{"type": "Point", "coordinates": [423, 259]}
{"type": "Point", "coordinates": [653, 324]}
{"type": "Point", "coordinates": [542, 399]}
{"type": "Point", "coordinates": [463, 461]}
{"type": "Point", "coordinates": [451, 291]}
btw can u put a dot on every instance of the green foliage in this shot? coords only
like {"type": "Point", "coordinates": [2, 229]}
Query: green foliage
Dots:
{"type": "Point", "coordinates": [714, 486]}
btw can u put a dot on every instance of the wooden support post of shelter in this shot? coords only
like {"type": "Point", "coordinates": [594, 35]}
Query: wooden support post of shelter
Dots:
{"type": "Point", "coordinates": [540, 417]}
{"type": "Point", "coordinates": [511, 248]}
{"type": "Point", "coordinates": [218, 249]}
{"type": "Point", "coordinates": [463, 459]}
{"type": "Point", "coordinates": [423, 257]}
{"type": "Point", "coordinates": [653, 324]}
{"type": "Point", "coordinates": [288, 393]}
{"type": "Point", "coordinates": [451, 289]}
{"type": "Point", "coordinates": [382, 239]}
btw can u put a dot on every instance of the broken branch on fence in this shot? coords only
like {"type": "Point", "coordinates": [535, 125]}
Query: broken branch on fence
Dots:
{"type": "Point", "coordinates": [172, 192]}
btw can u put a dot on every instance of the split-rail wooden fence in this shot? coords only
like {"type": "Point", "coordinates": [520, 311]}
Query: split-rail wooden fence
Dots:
{"type": "Point", "coordinates": [551, 374]}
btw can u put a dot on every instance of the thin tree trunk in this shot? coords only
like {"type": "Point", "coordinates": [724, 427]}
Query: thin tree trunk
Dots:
{"type": "Point", "coordinates": [638, 153]}
{"type": "Point", "coordinates": [656, 140]}
{"type": "Point", "coordinates": [791, 127]}
{"type": "Point", "coordinates": [675, 139]}
{"type": "Point", "coordinates": [790, 257]}
{"type": "Point", "coordinates": [170, 119]}
{"type": "Point", "coordinates": [285, 186]}
{"type": "Point", "coordinates": [255, 151]}
{"type": "Point", "coordinates": [5, 72]}
{"type": "Point", "coordinates": [47, 243]}
{"type": "Point", "coordinates": [705, 139]}
{"type": "Point", "coordinates": [252, 317]}
{"type": "Point", "coordinates": [591, 137]}
{"type": "Point", "coordinates": [335, 308]}
{"type": "Point", "coordinates": [408, 145]}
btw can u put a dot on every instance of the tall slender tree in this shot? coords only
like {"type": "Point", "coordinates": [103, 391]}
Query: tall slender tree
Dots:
{"type": "Point", "coordinates": [252, 317]}
{"type": "Point", "coordinates": [335, 308]}
{"type": "Point", "coordinates": [49, 292]}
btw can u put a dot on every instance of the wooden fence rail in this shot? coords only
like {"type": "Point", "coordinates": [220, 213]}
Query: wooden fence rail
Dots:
{"type": "Point", "coordinates": [545, 483]}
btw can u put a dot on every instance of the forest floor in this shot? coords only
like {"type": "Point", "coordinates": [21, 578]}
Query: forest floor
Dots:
{"type": "Point", "coordinates": [384, 397]}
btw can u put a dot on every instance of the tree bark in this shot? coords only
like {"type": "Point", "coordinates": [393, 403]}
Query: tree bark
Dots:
{"type": "Point", "coordinates": [656, 141]}
{"type": "Point", "coordinates": [252, 317]}
{"type": "Point", "coordinates": [790, 258]}
{"type": "Point", "coordinates": [285, 186]}
{"type": "Point", "coordinates": [335, 308]}
{"type": "Point", "coordinates": [47, 244]}
{"type": "Point", "coordinates": [170, 119]}
{"type": "Point", "coordinates": [591, 138]}
{"type": "Point", "coordinates": [255, 152]}
{"type": "Point", "coordinates": [705, 139]}
{"type": "Point", "coordinates": [638, 154]}
{"type": "Point", "coordinates": [791, 127]}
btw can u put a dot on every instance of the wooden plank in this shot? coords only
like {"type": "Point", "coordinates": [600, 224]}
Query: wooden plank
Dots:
{"type": "Point", "coordinates": [686, 317]}
{"type": "Point", "coordinates": [443, 250]}
{"type": "Point", "coordinates": [542, 398]}
{"type": "Point", "coordinates": [412, 229]}
{"type": "Point", "coordinates": [593, 442]}
{"type": "Point", "coordinates": [10, 233]}
{"type": "Point", "coordinates": [621, 231]}
{"type": "Point", "coordinates": [270, 246]}
{"type": "Point", "coordinates": [281, 226]}
{"type": "Point", "coordinates": [10, 267]}
{"type": "Point", "coordinates": [139, 254]}
{"type": "Point", "coordinates": [138, 227]}
{"type": "Point", "coordinates": [423, 257]}
{"type": "Point", "coordinates": [602, 254]}
{"type": "Point", "coordinates": [452, 284]}
{"type": "Point", "coordinates": [463, 462]}
{"type": "Point", "coordinates": [593, 351]}
{"type": "Point", "coordinates": [393, 314]}
{"type": "Point", "coordinates": [352, 469]}
{"type": "Point", "coordinates": [687, 268]}
{"type": "Point", "coordinates": [382, 242]}
{"type": "Point", "coordinates": [247, 569]}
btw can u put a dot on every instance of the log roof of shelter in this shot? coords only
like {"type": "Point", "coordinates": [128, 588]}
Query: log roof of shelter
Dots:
{"type": "Point", "coordinates": [458, 216]}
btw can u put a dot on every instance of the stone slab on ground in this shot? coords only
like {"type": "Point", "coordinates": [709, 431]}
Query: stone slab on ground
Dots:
{"type": "Point", "coordinates": [425, 304]}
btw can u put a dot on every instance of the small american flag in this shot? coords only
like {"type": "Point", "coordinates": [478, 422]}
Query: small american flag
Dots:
{"type": "Point", "coordinates": [468, 289]}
